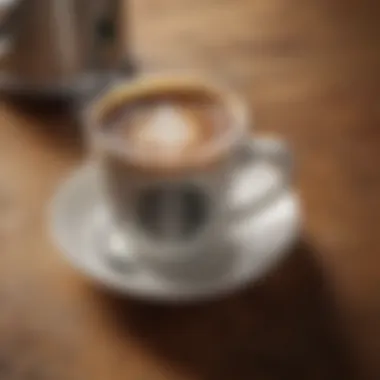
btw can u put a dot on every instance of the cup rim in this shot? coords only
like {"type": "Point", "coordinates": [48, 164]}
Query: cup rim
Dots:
{"type": "Point", "coordinates": [128, 90]}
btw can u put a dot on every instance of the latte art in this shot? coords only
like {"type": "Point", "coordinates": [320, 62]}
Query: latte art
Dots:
{"type": "Point", "coordinates": [166, 128]}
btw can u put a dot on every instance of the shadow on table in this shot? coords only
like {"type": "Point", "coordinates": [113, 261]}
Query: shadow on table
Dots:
{"type": "Point", "coordinates": [56, 120]}
{"type": "Point", "coordinates": [281, 328]}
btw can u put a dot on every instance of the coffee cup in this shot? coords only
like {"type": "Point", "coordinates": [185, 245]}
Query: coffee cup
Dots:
{"type": "Point", "coordinates": [170, 150]}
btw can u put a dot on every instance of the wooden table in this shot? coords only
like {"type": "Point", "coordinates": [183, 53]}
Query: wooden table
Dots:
{"type": "Point", "coordinates": [310, 70]}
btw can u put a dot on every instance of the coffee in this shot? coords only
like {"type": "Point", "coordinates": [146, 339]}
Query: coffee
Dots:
{"type": "Point", "coordinates": [171, 151]}
{"type": "Point", "coordinates": [169, 125]}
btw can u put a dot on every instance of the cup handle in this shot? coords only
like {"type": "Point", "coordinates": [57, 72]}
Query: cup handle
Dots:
{"type": "Point", "coordinates": [269, 150]}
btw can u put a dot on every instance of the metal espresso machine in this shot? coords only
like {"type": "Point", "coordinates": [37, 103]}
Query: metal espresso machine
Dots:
{"type": "Point", "coordinates": [62, 49]}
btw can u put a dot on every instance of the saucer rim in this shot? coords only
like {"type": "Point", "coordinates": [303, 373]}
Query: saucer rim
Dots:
{"type": "Point", "coordinates": [80, 176]}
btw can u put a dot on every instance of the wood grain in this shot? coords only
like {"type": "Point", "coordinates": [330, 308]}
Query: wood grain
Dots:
{"type": "Point", "coordinates": [309, 69]}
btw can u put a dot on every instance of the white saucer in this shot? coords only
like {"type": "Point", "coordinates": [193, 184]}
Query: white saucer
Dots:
{"type": "Point", "coordinates": [82, 228]}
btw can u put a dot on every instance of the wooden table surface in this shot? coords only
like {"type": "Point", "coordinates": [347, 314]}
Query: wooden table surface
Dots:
{"type": "Point", "coordinates": [310, 70]}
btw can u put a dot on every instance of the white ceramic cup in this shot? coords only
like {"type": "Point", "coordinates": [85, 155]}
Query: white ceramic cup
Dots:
{"type": "Point", "coordinates": [175, 210]}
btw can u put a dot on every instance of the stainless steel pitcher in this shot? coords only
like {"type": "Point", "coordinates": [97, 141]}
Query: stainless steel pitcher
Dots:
{"type": "Point", "coordinates": [62, 46]}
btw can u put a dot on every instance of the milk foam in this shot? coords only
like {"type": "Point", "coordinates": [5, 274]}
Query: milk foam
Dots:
{"type": "Point", "coordinates": [167, 128]}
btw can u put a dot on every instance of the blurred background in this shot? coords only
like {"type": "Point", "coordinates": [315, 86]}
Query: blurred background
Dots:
{"type": "Point", "coordinates": [310, 71]}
